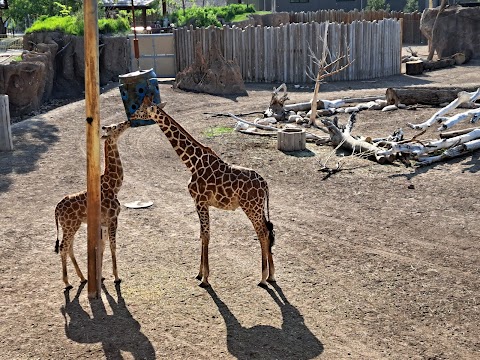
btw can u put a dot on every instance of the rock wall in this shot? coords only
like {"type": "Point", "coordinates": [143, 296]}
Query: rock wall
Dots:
{"type": "Point", "coordinates": [53, 67]}
{"type": "Point", "coordinates": [457, 30]}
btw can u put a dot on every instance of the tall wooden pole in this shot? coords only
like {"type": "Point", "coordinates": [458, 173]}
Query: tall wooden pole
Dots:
{"type": "Point", "coordinates": [92, 94]}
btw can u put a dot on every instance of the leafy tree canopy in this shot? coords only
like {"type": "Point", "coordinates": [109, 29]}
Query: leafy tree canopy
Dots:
{"type": "Point", "coordinates": [377, 5]}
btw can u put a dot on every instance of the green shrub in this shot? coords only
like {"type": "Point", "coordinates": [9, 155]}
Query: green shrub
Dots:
{"type": "Point", "coordinates": [411, 6]}
{"type": "Point", "coordinates": [74, 25]}
{"type": "Point", "coordinates": [209, 15]}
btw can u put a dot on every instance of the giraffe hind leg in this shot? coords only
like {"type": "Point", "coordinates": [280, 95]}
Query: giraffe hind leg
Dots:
{"type": "Point", "coordinates": [257, 219]}
{"type": "Point", "coordinates": [66, 248]}
{"type": "Point", "coordinates": [112, 233]}
{"type": "Point", "coordinates": [204, 238]}
{"type": "Point", "coordinates": [271, 241]}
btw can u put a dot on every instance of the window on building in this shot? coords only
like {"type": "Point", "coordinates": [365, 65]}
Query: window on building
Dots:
{"type": "Point", "coordinates": [299, 1]}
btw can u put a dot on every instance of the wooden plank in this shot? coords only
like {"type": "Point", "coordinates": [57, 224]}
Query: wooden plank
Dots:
{"type": "Point", "coordinates": [6, 143]}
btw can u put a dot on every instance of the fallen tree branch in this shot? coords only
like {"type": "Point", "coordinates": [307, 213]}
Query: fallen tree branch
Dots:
{"type": "Point", "coordinates": [418, 150]}
{"type": "Point", "coordinates": [452, 120]}
{"type": "Point", "coordinates": [451, 153]}
{"type": "Point", "coordinates": [309, 135]}
{"type": "Point", "coordinates": [450, 134]}
{"type": "Point", "coordinates": [463, 97]}
{"type": "Point", "coordinates": [339, 137]}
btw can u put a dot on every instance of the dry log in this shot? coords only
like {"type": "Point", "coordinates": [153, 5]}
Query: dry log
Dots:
{"type": "Point", "coordinates": [453, 133]}
{"type": "Point", "coordinates": [414, 67]}
{"type": "Point", "coordinates": [344, 140]}
{"type": "Point", "coordinates": [433, 96]}
{"type": "Point", "coordinates": [448, 122]}
{"type": "Point", "coordinates": [463, 97]}
{"type": "Point", "coordinates": [451, 153]}
{"type": "Point", "coordinates": [419, 150]}
{"type": "Point", "coordinates": [438, 64]}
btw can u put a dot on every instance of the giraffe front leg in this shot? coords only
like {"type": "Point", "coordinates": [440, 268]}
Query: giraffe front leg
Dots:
{"type": "Point", "coordinates": [204, 238]}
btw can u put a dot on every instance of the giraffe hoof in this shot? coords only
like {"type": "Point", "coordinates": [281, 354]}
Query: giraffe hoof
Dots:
{"type": "Point", "coordinates": [118, 281]}
{"type": "Point", "coordinates": [83, 281]}
{"type": "Point", "coordinates": [272, 281]}
{"type": "Point", "coordinates": [68, 287]}
{"type": "Point", "coordinates": [204, 285]}
{"type": "Point", "coordinates": [103, 279]}
{"type": "Point", "coordinates": [199, 277]}
{"type": "Point", "coordinates": [263, 285]}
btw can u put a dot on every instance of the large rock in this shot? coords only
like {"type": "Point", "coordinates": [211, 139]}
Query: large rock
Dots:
{"type": "Point", "coordinates": [24, 83]}
{"type": "Point", "coordinates": [457, 30]}
{"type": "Point", "coordinates": [211, 74]}
{"type": "Point", "coordinates": [69, 63]}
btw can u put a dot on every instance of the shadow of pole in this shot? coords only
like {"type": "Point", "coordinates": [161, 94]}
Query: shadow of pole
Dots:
{"type": "Point", "coordinates": [293, 341]}
{"type": "Point", "coordinates": [117, 332]}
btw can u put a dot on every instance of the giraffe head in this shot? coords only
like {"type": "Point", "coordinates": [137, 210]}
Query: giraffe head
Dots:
{"type": "Point", "coordinates": [114, 131]}
{"type": "Point", "coordinates": [148, 107]}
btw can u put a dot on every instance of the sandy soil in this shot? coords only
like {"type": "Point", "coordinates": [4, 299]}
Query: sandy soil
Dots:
{"type": "Point", "coordinates": [368, 266]}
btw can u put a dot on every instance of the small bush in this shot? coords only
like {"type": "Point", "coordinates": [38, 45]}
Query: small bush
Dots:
{"type": "Point", "coordinates": [73, 25]}
{"type": "Point", "coordinates": [209, 15]}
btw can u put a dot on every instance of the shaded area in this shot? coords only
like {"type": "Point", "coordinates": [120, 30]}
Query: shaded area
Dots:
{"type": "Point", "coordinates": [31, 139]}
{"type": "Point", "coordinates": [117, 332]}
{"type": "Point", "coordinates": [293, 341]}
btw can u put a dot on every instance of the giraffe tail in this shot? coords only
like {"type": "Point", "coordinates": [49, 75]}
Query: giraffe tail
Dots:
{"type": "Point", "coordinates": [271, 232]}
{"type": "Point", "coordinates": [57, 243]}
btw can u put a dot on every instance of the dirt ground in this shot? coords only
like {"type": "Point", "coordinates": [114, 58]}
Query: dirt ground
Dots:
{"type": "Point", "coordinates": [368, 266]}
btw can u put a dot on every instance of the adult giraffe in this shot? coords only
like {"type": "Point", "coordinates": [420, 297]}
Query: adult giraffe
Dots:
{"type": "Point", "coordinates": [219, 184]}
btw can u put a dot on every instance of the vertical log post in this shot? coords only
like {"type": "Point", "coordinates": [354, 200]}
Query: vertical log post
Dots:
{"type": "Point", "coordinates": [290, 139]}
{"type": "Point", "coordinates": [6, 143]}
{"type": "Point", "coordinates": [92, 94]}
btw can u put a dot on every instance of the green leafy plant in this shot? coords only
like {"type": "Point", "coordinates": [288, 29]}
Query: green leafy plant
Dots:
{"type": "Point", "coordinates": [74, 25]}
{"type": "Point", "coordinates": [209, 15]}
{"type": "Point", "coordinates": [411, 6]}
{"type": "Point", "coordinates": [377, 5]}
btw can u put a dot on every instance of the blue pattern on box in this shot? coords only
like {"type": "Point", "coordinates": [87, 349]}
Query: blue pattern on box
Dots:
{"type": "Point", "coordinates": [133, 89]}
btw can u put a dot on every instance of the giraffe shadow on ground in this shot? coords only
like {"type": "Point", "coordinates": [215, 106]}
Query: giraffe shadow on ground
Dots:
{"type": "Point", "coordinates": [293, 341]}
{"type": "Point", "coordinates": [117, 331]}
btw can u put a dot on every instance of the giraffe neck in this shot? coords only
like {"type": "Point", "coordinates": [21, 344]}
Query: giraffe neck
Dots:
{"type": "Point", "coordinates": [185, 145]}
{"type": "Point", "coordinates": [113, 172]}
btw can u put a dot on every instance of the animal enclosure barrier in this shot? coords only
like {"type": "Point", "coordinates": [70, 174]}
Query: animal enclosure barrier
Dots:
{"type": "Point", "coordinates": [281, 54]}
{"type": "Point", "coordinates": [156, 52]}
{"type": "Point", "coordinates": [410, 21]}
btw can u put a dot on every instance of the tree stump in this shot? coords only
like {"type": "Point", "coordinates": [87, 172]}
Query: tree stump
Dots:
{"type": "Point", "coordinates": [290, 139]}
{"type": "Point", "coordinates": [6, 143]}
{"type": "Point", "coordinates": [414, 67]}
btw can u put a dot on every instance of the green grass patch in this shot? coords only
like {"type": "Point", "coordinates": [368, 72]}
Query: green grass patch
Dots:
{"type": "Point", "coordinates": [217, 131]}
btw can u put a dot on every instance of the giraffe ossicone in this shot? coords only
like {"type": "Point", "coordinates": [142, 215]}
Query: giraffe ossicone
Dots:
{"type": "Point", "coordinates": [219, 184]}
{"type": "Point", "coordinates": [71, 211]}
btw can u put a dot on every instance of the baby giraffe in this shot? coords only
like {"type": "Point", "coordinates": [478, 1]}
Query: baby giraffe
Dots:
{"type": "Point", "coordinates": [71, 211]}
{"type": "Point", "coordinates": [216, 183]}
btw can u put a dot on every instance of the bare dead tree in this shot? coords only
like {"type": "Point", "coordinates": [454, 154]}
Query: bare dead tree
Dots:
{"type": "Point", "coordinates": [328, 65]}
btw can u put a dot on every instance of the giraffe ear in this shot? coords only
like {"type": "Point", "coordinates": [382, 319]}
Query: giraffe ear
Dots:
{"type": "Point", "coordinates": [162, 105]}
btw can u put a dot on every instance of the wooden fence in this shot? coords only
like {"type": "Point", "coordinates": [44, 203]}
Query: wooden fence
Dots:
{"type": "Point", "coordinates": [410, 27]}
{"type": "Point", "coordinates": [281, 54]}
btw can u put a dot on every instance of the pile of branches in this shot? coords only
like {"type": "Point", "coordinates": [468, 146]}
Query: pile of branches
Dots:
{"type": "Point", "coordinates": [383, 150]}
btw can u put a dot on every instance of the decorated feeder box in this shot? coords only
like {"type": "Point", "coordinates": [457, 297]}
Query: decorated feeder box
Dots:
{"type": "Point", "coordinates": [134, 87]}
